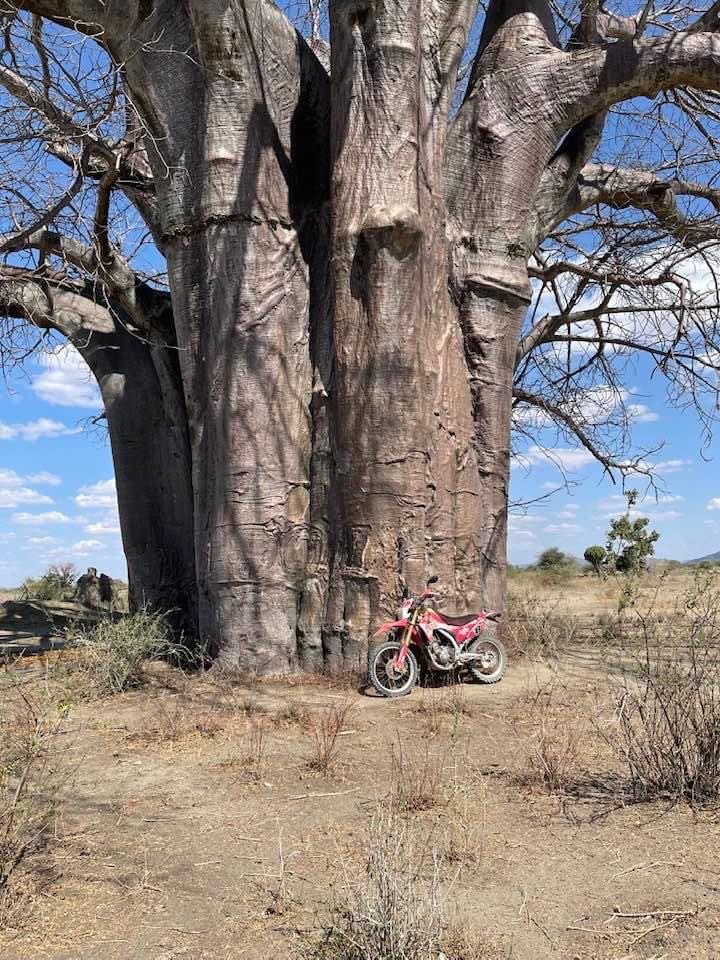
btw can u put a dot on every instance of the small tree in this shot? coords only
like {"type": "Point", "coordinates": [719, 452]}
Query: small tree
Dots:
{"type": "Point", "coordinates": [630, 543]}
{"type": "Point", "coordinates": [553, 559]}
{"type": "Point", "coordinates": [597, 558]}
{"type": "Point", "coordinates": [56, 583]}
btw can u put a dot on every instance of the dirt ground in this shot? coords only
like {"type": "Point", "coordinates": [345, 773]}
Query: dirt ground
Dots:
{"type": "Point", "coordinates": [194, 827]}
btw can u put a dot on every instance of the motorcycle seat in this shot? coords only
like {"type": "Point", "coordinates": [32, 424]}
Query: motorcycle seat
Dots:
{"type": "Point", "coordinates": [459, 621]}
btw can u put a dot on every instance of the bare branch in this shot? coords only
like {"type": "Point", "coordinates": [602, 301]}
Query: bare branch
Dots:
{"type": "Point", "coordinates": [621, 187]}
{"type": "Point", "coordinates": [596, 78]}
{"type": "Point", "coordinates": [18, 240]}
{"type": "Point", "coordinates": [572, 423]}
{"type": "Point", "coordinates": [51, 304]}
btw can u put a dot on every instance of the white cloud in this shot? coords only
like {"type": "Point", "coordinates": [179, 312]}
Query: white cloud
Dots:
{"type": "Point", "coordinates": [670, 498]}
{"type": "Point", "coordinates": [40, 519]}
{"type": "Point", "coordinates": [43, 428]}
{"type": "Point", "coordinates": [109, 525]}
{"type": "Point", "coordinates": [98, 495]}
{"type": "Point", "coordinates": [639, 413]}
{"type": "Point", "coordinates": [44, 478]}
{"type": "Point", "coordinates": [42, 541]}
{"type": "Point", "coordinates": [566, 458]}
{"type": "Point", "coordinates": [562, 528]}
{"type": "Point", "coordinates": [83, 547]}
{"type": "Point", "coordinates": [22, 495]}
{"type": "Point", "coordinates": [66, 380]}
{"type": "Point", "coordinates": [670, 466]}
{"type": "Point", "coordinates": [714, 504]}
{"type": "Point", "coordinates": [14, 491]}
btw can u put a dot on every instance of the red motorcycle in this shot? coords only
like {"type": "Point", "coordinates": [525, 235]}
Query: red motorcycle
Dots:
{"type": "Point", "coordinates": [438, 642]}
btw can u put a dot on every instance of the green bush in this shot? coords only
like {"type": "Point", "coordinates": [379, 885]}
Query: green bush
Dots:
{"type": "Point", "coordinates": [114, 653]}
{"type": "Point", "coordinates": [597, 558]}
{"type": "Point", "coordinates": [554, 559]}
{"type": "Point", "coordinates": [57, 583]}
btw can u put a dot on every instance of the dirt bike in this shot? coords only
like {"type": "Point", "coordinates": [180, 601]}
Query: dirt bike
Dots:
{"type": "Point", "coordinates": [438, 642]}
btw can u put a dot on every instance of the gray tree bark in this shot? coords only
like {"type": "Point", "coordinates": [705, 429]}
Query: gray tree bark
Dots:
{"type": "Point", "coordinates": [142, 395]}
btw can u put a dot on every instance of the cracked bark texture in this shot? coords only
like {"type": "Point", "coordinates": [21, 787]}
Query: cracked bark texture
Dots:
{"type": "Point", "coordinates": [348, 269]}
{"type": "Point", "coordinates": [407, 479]}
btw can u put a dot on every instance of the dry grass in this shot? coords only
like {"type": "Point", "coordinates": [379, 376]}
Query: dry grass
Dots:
{"type": "Point", "coordinates": [326, 730]}
{"type": "Point", "coordinates": [463, 835]}
{"type": "Point", "coordinates": [416, 781]}
{"type": "Point", "coordinates": [443, 703]}
{"type": "Point", "coordinates": [113, 654]}
{"type": "Point", "coordinates": [579, 594]}
{"type": "Point", "coordinates": [174, 720]}
{"type": "Point", "coordinates": [254, 759]}
{"type": "Point", "coordinates": [558, 735]}
{"type": "Point", "coordinates": [31, 774]}
{"type": "Point", "coordinates": [395, 908]}
{"type": "Point", "coordinates": [291, 714]}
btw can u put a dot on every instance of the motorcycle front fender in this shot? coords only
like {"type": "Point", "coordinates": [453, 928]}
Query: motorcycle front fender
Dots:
{"type": "Point", "coordinates": [389, 626]}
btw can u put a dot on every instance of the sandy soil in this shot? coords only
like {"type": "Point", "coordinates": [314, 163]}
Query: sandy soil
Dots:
{"type": "Point", "coordinates": [175, 842]}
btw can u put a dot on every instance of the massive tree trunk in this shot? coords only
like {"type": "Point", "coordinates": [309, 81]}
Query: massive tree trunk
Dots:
{"type": "Point", "coordinates": [238, 222]}
{"type": "Point", "coordinates": [145, 409]}
{"type": "Point", "coordinates": [141, 389]}
{"type": "Point", "coordinates": [407, 478]}
{"type": "Point", "coordinates": [335, 454]}
{"type": "Point", "coordinates": [347, 258]}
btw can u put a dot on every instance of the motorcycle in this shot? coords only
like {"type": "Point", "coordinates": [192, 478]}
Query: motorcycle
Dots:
{"type": "Point", "coordinates": [440, 643]}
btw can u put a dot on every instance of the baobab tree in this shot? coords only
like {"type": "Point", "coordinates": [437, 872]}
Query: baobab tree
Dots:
{"type": "Point", "coordinates": [314, 406]}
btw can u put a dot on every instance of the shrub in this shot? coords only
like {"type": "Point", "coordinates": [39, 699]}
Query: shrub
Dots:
{"type": "Point", "coordinates": [326, 731]}
{"type": "Point", "coordinates": [114, 653]}
{"type": "Point", "coordinates": [554, 559]}
{"type": "Point", "coordinates": [395, 909]}
{"type": "Point", "coordinates": [417, 783]}
{"type": "Point", "coordinates": [30, 777]}
{"type": "Point", "coordinates": [630, 544]}
{"type": "Point", "coordinates": [596, 556]}
{"type": "Point", "coordinates": [535, 627]}
{"type": "Point", "coordinates": [668, 707]}
{"type": "Point", "coordinates": [254, 759]}
{"type": "Point", "coordinates": [57, 583]}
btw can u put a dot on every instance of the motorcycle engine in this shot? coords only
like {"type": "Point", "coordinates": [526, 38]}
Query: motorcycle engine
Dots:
{"type": "Point", "coordinates": [442, 651]}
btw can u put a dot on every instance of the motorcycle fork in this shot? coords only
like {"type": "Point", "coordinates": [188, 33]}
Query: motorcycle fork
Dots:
{"type": "Point", "coordinates": [407, 636]}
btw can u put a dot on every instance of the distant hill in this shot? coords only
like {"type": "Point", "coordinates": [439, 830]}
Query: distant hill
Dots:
{"type": "Point", "coordinates": [711, 557]}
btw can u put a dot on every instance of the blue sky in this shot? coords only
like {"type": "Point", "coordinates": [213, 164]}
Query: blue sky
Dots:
{"type": "Point", "coordinates": [685, 509]}
{"type": "Point", "coordinates": [57, 493]}
{"type": "Point", "coordinates": [57, 497]}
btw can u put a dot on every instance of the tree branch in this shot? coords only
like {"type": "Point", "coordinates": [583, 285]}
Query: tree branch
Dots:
{"type": "Point", "coordinates": [571, 423]}
{"type": "Point", "coordinates": [626, 187]}
{"type": "Point", "coordinates": [19, 240]}
{"type": "Point", "coordinates": [100, 158]}
{"type": "Point", "coordinates": [596, 78]}
{"type": "Point", "coordinates": [85, 16]}
{"type": "Point", "coordinates": [49, 303]}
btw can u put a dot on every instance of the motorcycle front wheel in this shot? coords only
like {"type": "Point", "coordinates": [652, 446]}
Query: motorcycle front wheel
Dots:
{"type": "Point", "coordinates": [385, 677]}
{"type": "Point", "coordinates": [491, 666]}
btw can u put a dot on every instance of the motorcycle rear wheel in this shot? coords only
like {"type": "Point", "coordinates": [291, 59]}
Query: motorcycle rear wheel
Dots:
{"type": "Point", "coordinates": [491, 669]}
{"type": "Point", "coordinates": [387, 681]}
